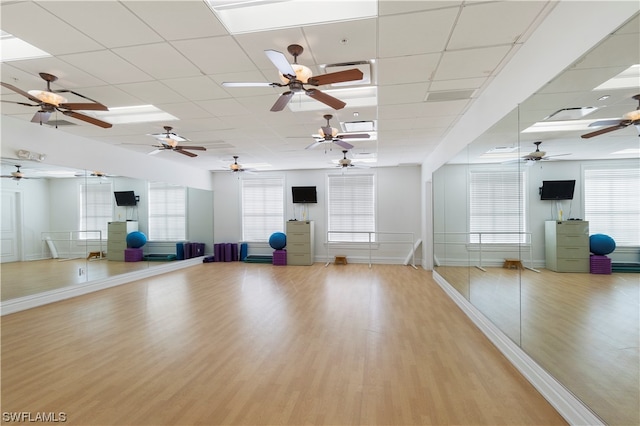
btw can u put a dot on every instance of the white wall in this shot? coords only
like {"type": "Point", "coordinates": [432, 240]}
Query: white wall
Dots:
{"type": "Point", "coordinates": [398, 204]}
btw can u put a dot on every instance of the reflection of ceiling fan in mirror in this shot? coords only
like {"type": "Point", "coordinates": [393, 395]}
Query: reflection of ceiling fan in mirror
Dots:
{"type": "Point", "coordinates": [169, 141]}
{"type": "Point", "coordinates": [329, 135]}
{"type": "Point", "coordinates": [630, 118]}
{"type": "Point", "coordinates": [49, 101]}
{"type": "Point", "coordinates": [295, 76]}
{"type": "Point", "coordinates": [17, 175]}
{"type": "Point", "coordinates": [235, 167]}
{"type": "Point", "coordinates": [535, 156]}
{"type": "Point", "coordinates": [346, 163]}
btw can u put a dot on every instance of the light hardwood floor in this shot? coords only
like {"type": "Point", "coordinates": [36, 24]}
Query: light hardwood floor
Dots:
{"type": "Point", "coordinates": [249, 344]}
{"type": "Point", "coordinates": [582, 328]}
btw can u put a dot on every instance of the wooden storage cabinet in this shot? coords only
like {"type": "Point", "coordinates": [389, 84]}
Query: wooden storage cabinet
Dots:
{"type": "Point", "coordinates": [117, 238]}
{"type": "Point", "coordinates": [567, 246]}
{"type": "Point", "coordinates": [300, 242]}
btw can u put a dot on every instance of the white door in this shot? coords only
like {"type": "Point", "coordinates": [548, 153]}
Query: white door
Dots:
{"type": "Point", "coordinates": [10, 237]}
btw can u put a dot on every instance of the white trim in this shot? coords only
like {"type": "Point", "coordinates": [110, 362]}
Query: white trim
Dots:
{"type": "Point", "coordinates": [35, 300]}
{"type": "Point", "coordinates": [567, 404]}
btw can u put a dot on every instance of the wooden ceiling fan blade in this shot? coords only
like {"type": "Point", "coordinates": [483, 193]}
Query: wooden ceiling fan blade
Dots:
{"type": "Point", "coordinates": [21, 92]}
{"type": "Point", "coordinates": [603, 131]}
{"type": "Point", "coordinates": [247, 84]}
{"type": "Point", "coordinates": [20, 103]}
{"type": "Point", "coordinates": [326, 99]}
{"type": "Point", "coordinates": [343, 144]}
{"type": "Point", "coordinates": [280, 61]}
{"type": "Point", "coordinates": [84, 106]}
{"type": "Point", "coordinates": [354, 136]}
{"type": "Point", "coordinates": [41, 117]}
{"type": "Point", "coordinates": [193, 148]}
{"type": "Point", "coordinates": [282, 101]}
{"type": "Point", "coordinates": [88, 119]}
{"type": "Point", "coordinates": [336, 77]}
{"type": "Point", "coordinates": [187, 153]}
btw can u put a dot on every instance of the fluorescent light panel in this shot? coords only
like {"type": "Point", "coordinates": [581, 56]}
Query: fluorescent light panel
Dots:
{"type": "Point", "coordinates": [558, 126]}
{"type": "Point", "coordinates": [354, 97]}
{"type": "Point", "coordinates": [132, 114]}
{"type": "Point", "coordinates": [571, 113]}
{"type": "Point", "coordinates": [629, 78]}
{"type": "Point", "coordinates": [14, 49]}
{"type": "Point", "coordinates": [245, 16]}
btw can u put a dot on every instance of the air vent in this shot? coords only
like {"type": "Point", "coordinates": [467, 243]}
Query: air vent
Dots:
{"type": "Point", "coordinates": [451, 95]}
{"type": "Point", "coordinates": [363, 66]}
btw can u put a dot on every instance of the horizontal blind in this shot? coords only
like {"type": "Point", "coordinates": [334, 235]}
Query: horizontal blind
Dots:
{"type": "Point", "coordinates": [612, 203]}
{"type": "Point", "coordinates": [262, 208]}
{"type": "Point", "coordinates": [496, 204]}
{"type": "Point", "coordinates": [351, 207]}
{"type": "Point", "coordinates": [167, 212]}
{"type": "Point", "coordinates": [96, 208]}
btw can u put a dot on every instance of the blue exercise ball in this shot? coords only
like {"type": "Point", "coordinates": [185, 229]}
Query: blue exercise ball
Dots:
{"type": "Point", "coordinates": [601, 244]}
{"type": "Point", "coordinates": [278, 240]}
{"type": "Point", "coordinates": [136, 239]}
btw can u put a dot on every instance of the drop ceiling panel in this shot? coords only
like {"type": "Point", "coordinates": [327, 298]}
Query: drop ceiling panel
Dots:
{"type": "Point", "coordinates": [185, 110]}
{"type": "Point", "coordinates": [118, 71]}
{"type": "Point", "coordinates": [60, 38]}
{"type": "Point", "coordinates": [472, 63]}
{"type": "Point", "coordinates": [152, 92]}
{"type": "Point", "coordinates": [215, 55]}
{"type": "Point", "coordinates": [223, 107]}
{"type": "Point", "coordinates": [459, 84]}
{"type": "Point", "coordinates": [403, 6]}
{"type": "Point", "coordinates": [494, 23]}
{"type": "Point", "coordinates": [407, 69]}
{"type": "Point", "coordinates": [197, 88]}
{"type": "Point", "coordinates": [402, 93]}
{"type": "Point", "coordinates": [160, 60]}
{"type": "Point", "coordinates": [254, 45]}
{"type": "Point", "coordinates": [163, 18]}
{"type": "Point", "coordinates": [607, 55]}
{"type": "Point", "coordinates": [116, 27]}
{"type": "Point", "coordinates": [415, 33]}
{"type": "Point", "coordinates": [327, 41]}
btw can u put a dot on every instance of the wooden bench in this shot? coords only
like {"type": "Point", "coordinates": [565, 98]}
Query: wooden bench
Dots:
{"type": "Point", "coordinates": [512, 263]}
{"type": "Point", "coordinates": [340, 260]}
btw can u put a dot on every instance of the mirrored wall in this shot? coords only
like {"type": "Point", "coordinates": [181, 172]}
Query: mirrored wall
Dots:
{"type": "Point", "coordinates": [48, 245]}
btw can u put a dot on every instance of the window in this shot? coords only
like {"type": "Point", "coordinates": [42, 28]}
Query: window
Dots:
{"type": "Point", "coordinates": [167, 212]}
{"type": "Point", "coordinates": [351, 207]}
{"type": "Point", "coordinates": [96, 207]}
{"type": "Point", "coordinates": [497, 204]}
{"type": "Point", "coordinates": [262, 208]}
{"type": "Point", "coordinates": [612, 202]}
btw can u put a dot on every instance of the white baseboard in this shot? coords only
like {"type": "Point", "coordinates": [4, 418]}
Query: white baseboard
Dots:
{"type": "Point", "coordinates": [568, 406]}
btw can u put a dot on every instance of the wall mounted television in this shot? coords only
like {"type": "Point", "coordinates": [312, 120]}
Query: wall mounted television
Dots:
{"type": "Point", "coordinates": [304, 194]}
{"type": "Point", "coordinates": [557, 189]}
{"type": "Point", "coordinates": [125, 198]}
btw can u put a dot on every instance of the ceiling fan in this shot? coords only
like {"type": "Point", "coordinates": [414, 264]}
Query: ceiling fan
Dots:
{"type": "Point", "coordinates": [49, 101]}
{"type": "Point", "coordinates": [235, 167]}
{"type": "Point", "coordinates": [17, 175]}
{"type": "Point", "coordinates": [329, 135]}
{"type": "Point", "coordinates": [295, 76]}
{"type": "Point", "coordinates": [169, 141]}
{"type": "Point", "coordinates": [537, 155]}
{"type": "Point", "coordinates": [345, 162]}
{"type": "Point", "coordinates": [630, 118]}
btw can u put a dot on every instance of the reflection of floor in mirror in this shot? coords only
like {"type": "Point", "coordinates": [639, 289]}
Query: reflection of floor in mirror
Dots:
{"type": "Point", "coordinates": [20, 279]}
{"type": "Point", "coordinates": [583, 328]}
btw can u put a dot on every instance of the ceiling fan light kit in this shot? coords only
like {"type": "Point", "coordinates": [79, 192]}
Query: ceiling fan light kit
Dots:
{"type": "Point", "coordinates": [169, 142]}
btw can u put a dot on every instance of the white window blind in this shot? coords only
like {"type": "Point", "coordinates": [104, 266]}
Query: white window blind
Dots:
{"type": "Point", "coordinates": [612, 203]}
{"type": "Point", "coordinates": [167, 212]}
{"type": "Point", "coordinates": [262, 208]}
{"type": "Point", "coordinates": [351, 207]}
{"type": "Point", "coordinates": [96, 208]}
{"type": "Point", "coordinates": [497, 204]}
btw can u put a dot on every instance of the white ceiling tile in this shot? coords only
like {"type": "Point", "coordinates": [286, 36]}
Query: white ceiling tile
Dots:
{"type": "Point", "coordinates": [116, 25]}
{"type": "Point", "coordinates": [463, 83]}
{"type": "Point", "coordinates": [118, 71]}
{"type": "Point", "coordinates": [405, 6]}
{"type": "Point", "coordinates": [160, 60]}
{"type": "Point", "coordinates": [59, 38]}
{"type": "Point", "coordinates": [165, 18]}
{"type": "Point", "coordinates": [494, 23]}
{"type": "Point", "coordinates": [472, 63]}
{"type": "Point", "coordinates": [342, 41]}
{"type": "Point", "coordinates": [223, 107]}
{"type": "Point", "coordinates": [185, 110]}
{"type": "Point", "coordinates": [402, 93]}
{"type": "Point", "coordinates": [415, 33]}
{"type": "Point", "coordinates": [215, 55]}
{"type": "Point", "coordinates": [197, 88]}
{"type": "Point", "coordinates": [153, 92]}
{"type": "Point", "coordinates": [407, 69]}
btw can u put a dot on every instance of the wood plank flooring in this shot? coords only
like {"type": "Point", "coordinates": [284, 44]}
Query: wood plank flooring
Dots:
{"type": "Point", "coordinates": [255, 344]}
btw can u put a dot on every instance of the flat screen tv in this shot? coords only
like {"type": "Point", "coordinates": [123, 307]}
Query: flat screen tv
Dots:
{"type": "Point", "coordinates": [125, 198]}
{"type": "Point", "coordinates": [557, 189]}
{"type": "Point", "coordinates": [304, 194]}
